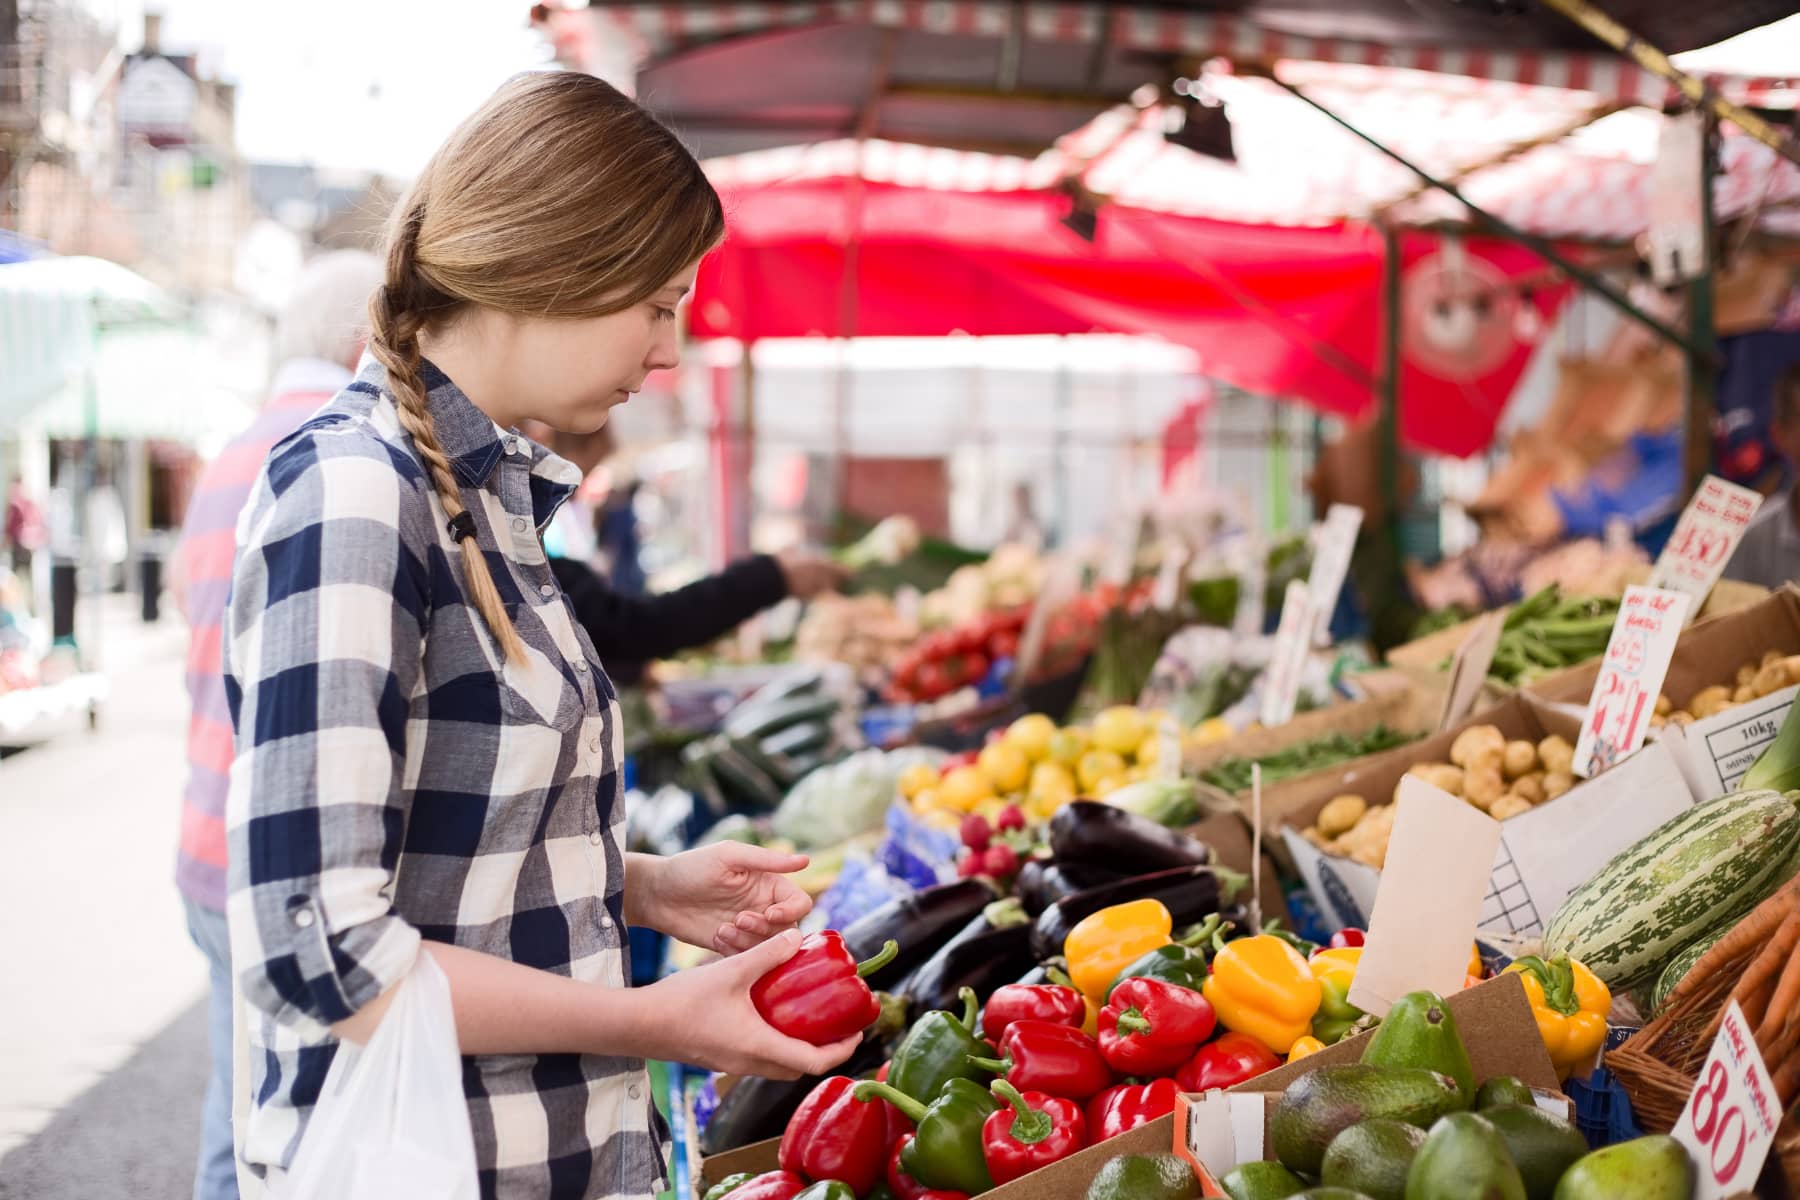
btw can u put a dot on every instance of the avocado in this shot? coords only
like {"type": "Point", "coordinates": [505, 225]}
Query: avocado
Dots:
{"type": "Point", "coordinates": [1262, 1181]}
{"type": "Point", "coordinates": [1322, 1104]}
{"type": "Point", "coordinates": [1373, 1158]}
{"type": "Point", "coordinates": [1648, 1168]}
{"type": "Point", "coordinates": [1419, 1031]}
{"type": "Point", "coordinates": [1542, 1146]}
{"type": "Point", "coordinates": [1145, 1177]}
{"type": "Point", "coordinates": [1464, 1158]}
{"type": "Point", "coordinates": [1503, 1089]}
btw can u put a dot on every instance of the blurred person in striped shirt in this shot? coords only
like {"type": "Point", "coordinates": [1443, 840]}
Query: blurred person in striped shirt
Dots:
{"type": "Point", "coordinates": [318, 339]}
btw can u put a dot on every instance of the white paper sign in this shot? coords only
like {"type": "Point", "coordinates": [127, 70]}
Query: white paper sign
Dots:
{"type": "Point", "coordinates": [1729, 1122]}
{"type": "Point", "coordinates": [1223, 1130]}
{"type": "Point", "coordinates": [1293, 639]}
{"type": "Point", "coordinates": [1705, 538]}
{"type": "Point", "coordinates": [1429, 900]}
{"type": "Point", "coordinates": [1331, 563]}
{"type": "Point", "coordinates": [1631, 677]}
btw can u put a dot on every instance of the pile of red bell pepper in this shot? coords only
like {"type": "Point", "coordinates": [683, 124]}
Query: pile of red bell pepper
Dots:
{"type": "Point", "coordinates": [954, 658]}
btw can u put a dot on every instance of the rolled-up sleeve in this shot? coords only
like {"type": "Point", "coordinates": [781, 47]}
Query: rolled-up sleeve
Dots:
{"type": "Point", "coordinates": [324, 634]}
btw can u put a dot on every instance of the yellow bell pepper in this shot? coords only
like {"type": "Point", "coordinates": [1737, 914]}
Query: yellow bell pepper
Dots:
{"type": "Point", "coordinates": [1570, 1004]}
{"type": "Point", "coordinates": [1107, 942]}
{"type": "Point", "coordinates": [1260, 986]}
{"type": "Point", "coordinates": [1305, 1046]}
{"type": "Point", "coordinates": [1335, 970]}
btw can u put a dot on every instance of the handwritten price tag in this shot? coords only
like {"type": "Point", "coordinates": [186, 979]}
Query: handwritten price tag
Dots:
{"type": "Point", "coordinates": [1631, 677]}
{"type": "Point", "coordinates": [1705, 538]}
{"type": "Point", "coordinates": [1730, 1120]}
{"type": "Point", "coordinates": [1293, 638]}
{"type": "Point", "coordinates": [1332, 548]}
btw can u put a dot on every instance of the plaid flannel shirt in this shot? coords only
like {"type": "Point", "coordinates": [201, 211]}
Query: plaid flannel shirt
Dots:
{"type": "Point", "coordinates": [398, 779]}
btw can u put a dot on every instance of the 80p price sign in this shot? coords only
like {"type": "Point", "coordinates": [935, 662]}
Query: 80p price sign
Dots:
{"type": "Point", "coordinates": [1730, 1120]}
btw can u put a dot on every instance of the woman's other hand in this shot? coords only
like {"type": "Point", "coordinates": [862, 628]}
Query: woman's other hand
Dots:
{"type": "Point", "coordinates": [703, 1015]}
{"type": "Point", "coordinates": [808, 575]}
{"type": "Point", "coordinates": [728, 896]}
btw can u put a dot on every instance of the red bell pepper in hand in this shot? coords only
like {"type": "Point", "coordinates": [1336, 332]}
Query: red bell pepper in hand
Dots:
{"type": "Point", "coordinates": [833, 1135]}
{"type": "Point", "coordinates": [819, 995]}
{"type": "Point", "coordinates": [771, 1185]}
{"type": "Point", "coordinates": [1054, 1059]}
{"type": "Point", "coordinates": [1149, 1027]}
{"type": "Point", "coordinates": [905, 1187]}
{"type": "Point", "coordinates": [1121, 1109]}
{"type": "Point", "coordinates": [1034, 1131]}
{"type": "Point", "coordinates": [1232, 1059]}
{"type": "Point", "coordinates": [1031, 1002]}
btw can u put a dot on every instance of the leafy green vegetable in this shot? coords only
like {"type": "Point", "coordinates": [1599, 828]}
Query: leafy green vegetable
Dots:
{"type": "Point", "coordinates": [1233, 774]}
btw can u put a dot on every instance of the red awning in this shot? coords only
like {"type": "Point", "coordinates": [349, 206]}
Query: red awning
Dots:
{"type": "Point", "coordinates": [1286, 312]}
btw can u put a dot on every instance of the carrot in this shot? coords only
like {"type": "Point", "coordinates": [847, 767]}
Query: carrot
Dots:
{"type": "Point", "coordinates": [1787, 1080]}
{"type": "Point", "coordinates": [1784, 1003]}
{"type": "Point", "coordinates": [1774, 955]}
{"type": "Point", "coordinates": [1743, 941]}
{"type": "Point", "coordinates": [1755, 1007]}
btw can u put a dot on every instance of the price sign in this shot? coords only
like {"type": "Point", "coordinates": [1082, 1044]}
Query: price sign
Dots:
{"type": "Point", "coordinates": [1335, 543]}
{"type": "Point", "coordinates": [1631, 677]}
{"type": "Point", "coordinates": [1705, 538]}
{"type": "Point", "coordinates": [1293, 638]}
{"type": "Point", "coordinates": [1729, 1122]}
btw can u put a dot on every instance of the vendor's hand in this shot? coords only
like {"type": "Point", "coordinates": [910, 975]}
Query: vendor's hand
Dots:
{"type": "Point", "coordinates": [703, 1015]}
{"type": "Point", "coordinates": [728, 896]}
{"type": "Point", "coordinates": [807, 575]}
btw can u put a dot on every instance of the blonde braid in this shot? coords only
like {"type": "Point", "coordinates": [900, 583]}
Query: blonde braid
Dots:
{"type": "Point", "coordinates": [396, 317]}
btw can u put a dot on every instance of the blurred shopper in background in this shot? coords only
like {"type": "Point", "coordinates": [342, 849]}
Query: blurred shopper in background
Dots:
{"type": "Point", "coordinates": [630, 630]}
{"type": "Point", "coordinates": [318, 339]}
{"type": "Point", "coordinates": [24, 531]}
{"type": "Point", "coordinates": [1770, 552]}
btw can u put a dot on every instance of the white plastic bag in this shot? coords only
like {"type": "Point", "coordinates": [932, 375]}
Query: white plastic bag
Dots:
{"type": "Point", "coordinates": [391, 1122]}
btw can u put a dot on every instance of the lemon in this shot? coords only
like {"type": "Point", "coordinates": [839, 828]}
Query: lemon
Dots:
{"type": "Point", "coordinates": [932, 800]}
{"type": "Point", "coordinates": [1068, 745]}
{"type": "Point", "coordinates": [965, 787]}
{"type": "Point", "coordinates": [990, 809]}
{"type": "Point", "coordinates": [1120, 729]}
{"type": "Point", "coordinates": [917, 778]}
{"type": "Point", "coordinates": [1006, 766]}
{"type": "Point", "coordinates": [1096, 765]}
{"type": "Point", "coordinates": [1210, 732]}
{"type": "Point", "coordinates": [1149, 749]}
{"type": "Point", "coordinates": [1107, 786]}
{"type": "Point", "coordinates": [1051, 777]}
{"type": "Point", "coordinates": [941, 818]}
{"type": "Point", "coordinates": [1031, 735]}
{"type": "Point", "coordinates": [1137, 774]}
{"type": "Point", "coordinates": [1044, 805]}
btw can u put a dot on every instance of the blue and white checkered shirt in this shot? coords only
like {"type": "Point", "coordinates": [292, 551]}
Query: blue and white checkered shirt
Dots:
{"type": "Point", "coordinates": [397, 779]}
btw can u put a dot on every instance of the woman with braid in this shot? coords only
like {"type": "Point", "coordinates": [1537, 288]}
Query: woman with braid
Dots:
{"type": "Point", "coordinates": [427, 751]}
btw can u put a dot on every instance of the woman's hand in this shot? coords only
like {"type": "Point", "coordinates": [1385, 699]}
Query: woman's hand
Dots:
{"type": "Point", "coordinates": [703, 1015]}
{"type": "Point", "coordinates": [728, 896]}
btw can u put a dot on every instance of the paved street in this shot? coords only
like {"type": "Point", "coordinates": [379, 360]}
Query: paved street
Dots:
{"type": "Point", "coordinates": [102, 1038]}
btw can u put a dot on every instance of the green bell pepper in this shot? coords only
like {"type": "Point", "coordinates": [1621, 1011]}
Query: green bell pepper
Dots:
{"type": "Point", "coordinates": [947, 1153]}
{"type": "Point", "coordinates": [1180, 962]}
{"type": "Point", "coordinates": [828, 1189]}
{"type": "Point", "coordinates": [937, 1049]}
{"type": "Point", "coordinates": [728, 1184]}
{"type": "Point", "coordinates": [1335, 970]}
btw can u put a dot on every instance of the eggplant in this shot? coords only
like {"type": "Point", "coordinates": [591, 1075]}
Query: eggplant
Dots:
{"type": "Point", "coordinates": [1087, 831]}
{"type": "Point", "coordinates": [757, 1108]}
{"type": "Point", "coordinates": [1191, 894]}
{"type": "Point", "coordinates": [1052, 881]}
{"type": "Point", "coordinates": [921, 923]}
{"type": "Point", "coordinates": [985, 954]}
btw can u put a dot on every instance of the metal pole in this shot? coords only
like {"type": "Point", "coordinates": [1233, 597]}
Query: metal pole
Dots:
{"type": "Point", "coordinates": [1539, 246]}
{"type": "Point", "coordinates": [1657, 63]}
{"type": "Point", "coordinates": [1702, 361]}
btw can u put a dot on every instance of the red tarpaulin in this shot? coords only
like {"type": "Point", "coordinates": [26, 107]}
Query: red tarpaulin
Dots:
{"type": "Point", "coordinates": [1255, 302]}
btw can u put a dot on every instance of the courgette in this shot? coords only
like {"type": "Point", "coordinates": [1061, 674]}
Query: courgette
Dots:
{"type": "Point", "coordinates": [742, 778]}
{"type": "Point", "coordinates": [1697, 873]}
{"type": "Point", "coordinates": [777, 767]}
{"type": "Point", "coordinates": [1681, 964]}
{"type": "Point", "coordinates": [810, 737]}
{"type": "Point", "coordinates": [760, 720]}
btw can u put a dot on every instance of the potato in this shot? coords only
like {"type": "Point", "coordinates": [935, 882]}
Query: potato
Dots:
{"type": "Point", "coordinates": [1772, 678]}
{"type": "Point", "coordinates": [1530, 787]}
{"type": "Point", "coordinates": [1440, 775]}
{"type": "Point", "coordinates": [1341, 813]}
{"type": "Point", "coordinates": [1745, 674]}
{"type": "Point", "coordinates": [1556, 754]}
{"type": "Point", "coordinates": [1509, 805]}
{"type": "Point", "coordinates": [1710, 700]}
{"type": "Point", "coordinates": [1770, 656]}
{"type": "Point", "coordinates": [1791, 664]}
{"type": "Point", "coordinates": [1681, 717]}
{"type": "Point", "coordinates": [1311, 834]}
{"type": "Point", "coordinates": [1664, 705]}
{"type": "Point", "coordinates": [1556, 783]}
{"type": "Point", "coordinates": [1743, 695]}
{"type": "Point", "coordinates": [1368, 842]}
{"type": "Point", "coordinates": [1520, 758]}
{"type": "Point", "coordinates": [1657, 720]}
{"type": "Point", "coordinates": [1483, 786]}
{"type": "Point", "coordinates": [1475, 743]}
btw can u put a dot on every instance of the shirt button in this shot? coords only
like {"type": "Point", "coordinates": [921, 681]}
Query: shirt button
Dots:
{"type": "Point", "coordinates": [596, 837]}
{"type": "Point", "coordinates": [518, 524]}
{"type": "Point", "coordinates": [606, 922]}
{"type": "Point", "coordinates": [636, 1092]}
{"type": "Point", "coordinates": [546, 590]}
{"type": "Point", "coordinates": [594, 743]}
{"type": "Point", "coordinates": [581, 664]}
{"type": "Point", "coordinates": [303, 918]}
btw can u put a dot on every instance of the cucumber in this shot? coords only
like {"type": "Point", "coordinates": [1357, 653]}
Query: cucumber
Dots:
{"type": "Point", "coordinates": [1698, 873]}
{"type": "Point", "coordinates": [1680, 965]}
{"type": "Point", "coordinates": [742, 778]}
{"type": "Point", "coordinates": [808, 738]}
{"type": "Point", "coordinates": [798, 683]}
{"type": "Point", "coordinates": [777, 767]}
{"type": "Point", "coordinates": [761, 720]}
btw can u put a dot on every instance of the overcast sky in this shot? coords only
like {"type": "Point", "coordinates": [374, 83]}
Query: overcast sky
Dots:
{"type": "Point", "coordinates": [376, 84]}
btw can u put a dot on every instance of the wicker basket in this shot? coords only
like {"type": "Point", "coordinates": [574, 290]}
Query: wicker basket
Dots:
{"type": "Point", "coordinates": [1660, 1066]}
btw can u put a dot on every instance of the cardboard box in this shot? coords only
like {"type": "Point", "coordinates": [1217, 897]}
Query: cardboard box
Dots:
{"type": "Point", "coordinates": [1405, 709]}
{"type": "Point", "coordinates": [1222, 1129]}
{"type": "Point", "coordinates": [1229, 837]}
{"type": "Point", "coordinates": [1544, 854]}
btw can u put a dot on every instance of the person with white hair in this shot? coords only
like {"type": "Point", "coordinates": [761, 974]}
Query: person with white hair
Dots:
{"type": "Point", "coordinates": [318, 340]}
